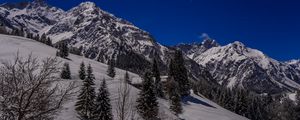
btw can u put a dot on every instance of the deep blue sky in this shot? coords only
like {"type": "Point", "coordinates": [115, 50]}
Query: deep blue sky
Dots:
{"type": "Point", "coordinates": [272, 26]}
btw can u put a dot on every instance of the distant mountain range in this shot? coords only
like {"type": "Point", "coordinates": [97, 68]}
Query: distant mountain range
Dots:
{"type": "Point", "coordinates": [236, 65]}
{"type": "Point", "coordinates": [102, 36]}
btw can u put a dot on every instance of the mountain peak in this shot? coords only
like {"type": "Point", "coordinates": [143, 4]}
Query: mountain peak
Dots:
{"type": "Point", "coordinates": [238, 44]}
{"type": "Point", "coordinates": [209, 43]}
{"type": "Point", "coordinates": [87, 4]}
{"type": "Point", "coordinates": [37, 3]}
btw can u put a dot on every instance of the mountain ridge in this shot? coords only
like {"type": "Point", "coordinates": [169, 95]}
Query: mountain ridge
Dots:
{"type": "Point", "coordinates": [99, 35]}
{"type": "Point", "coordinates": [236, 65]}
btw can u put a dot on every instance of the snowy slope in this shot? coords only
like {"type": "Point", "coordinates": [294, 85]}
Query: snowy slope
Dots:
{"type": "Point", "coordinates": [237, 65]}
{"type": "Point", "coordinates": [195, 107]}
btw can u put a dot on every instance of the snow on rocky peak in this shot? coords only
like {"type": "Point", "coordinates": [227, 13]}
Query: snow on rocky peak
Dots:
{"type": "Point", "coordinates": [195, 49]}
{"type": "Point", "coordinates": [98, 34]}
{"type": "Point", "coordinates": [85, 26]}
{"type": "Point", "coordinates": [39, 3]}
{"type": "Point", "coordinates": [85, 8]}
{"type": "Point", "coordinates": [209, 43]}
{"type": "Point", "coordinates": [294, 63]}
{"type": "Point", "coordinates": [33, 17]}
{"type": "Point", "coordinates": [87, 4]}
{"type": "Point", "coordinates": [237, 65]}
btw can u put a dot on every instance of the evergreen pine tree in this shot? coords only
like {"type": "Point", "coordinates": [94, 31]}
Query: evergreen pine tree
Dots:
{"type": "Point", "coordinates": [126, 77]}
{"type": "Point", "coordinates": [49, 42]}
{"type": "Point", "coordinates": [37, 37]}
{"type": "Point", "coordinates": [111, 68]}
{"type": "Point", "coordinates": [43, 38]}
{"type": "Point", "coordinates": [63, 50]}
{"type": "Point", "coordinates": [15, 32]}
{"type": "Point", "coordinates": [66, 73]}
{"type": "Point", "coordinates": [158, 85]}
{"type": "Point", "coordinates": [2, 29]}
{"type": "Point", "coordinates": [241, 102]}
{"type": "Point", "coordinates": [174, 96]}
{"type": "Point", "coordinates": [178, 71]}
{"type": "Point", "coordinates": [81, 72]}
{"type": "Point", "coordinates": [29, 35]}
{"type": "Point", "coordinates": [103, 107]}
{"type": "Point", "coordinates": [22, 33]}
{"type": "Point", "coordinates": [147, 105]}
{"type": "Point", "coordinates": [85, 105]}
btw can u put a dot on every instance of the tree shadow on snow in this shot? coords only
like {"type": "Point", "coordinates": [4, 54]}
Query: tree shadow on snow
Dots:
{"type": "Point", "coordinates": [190, 99]}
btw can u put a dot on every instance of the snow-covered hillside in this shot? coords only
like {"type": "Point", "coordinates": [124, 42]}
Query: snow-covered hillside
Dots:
{"type": "Point", "coordinates": [97, 34]}
{"type": "Point", "coordinates": [237, 65]}
{"type": "Point", "coordinates": [195, 107]}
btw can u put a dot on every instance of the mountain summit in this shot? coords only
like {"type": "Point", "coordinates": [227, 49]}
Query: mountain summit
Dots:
{"type": "Point", "coordinates": [195, 49]}
{"type": "Point", "coordinates": [236, 65]}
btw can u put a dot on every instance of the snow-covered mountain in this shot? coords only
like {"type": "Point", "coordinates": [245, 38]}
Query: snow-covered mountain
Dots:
{"type": "Point", "coordinates": [32, 17]}
{"type": "Point", "coordinates": [101, 36]}
{"type": "Point", "coordinates": [195, 49]}
{"type": "Point", "coordinates": [195, 107]}
{"type": "Point", "coordinates": [97, 33]}
{"type": "Point", "coordinates": [85, 26]}
{"type": "Point", "coordinates": [235, 65]}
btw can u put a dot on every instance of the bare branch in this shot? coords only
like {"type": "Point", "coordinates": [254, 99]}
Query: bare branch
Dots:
{"type": "Point", "coordinates": [30, 89]}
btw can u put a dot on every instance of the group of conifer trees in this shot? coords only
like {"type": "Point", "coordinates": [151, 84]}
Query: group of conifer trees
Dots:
{"type": "Point", "coordinates": [176, 87]}
{"type": "Point", "coordinates": [22, 33]}
{"type": "Point", "coordinates": [91, 105]}
{"type": "Point", "coordinates": [96, 106]}
{"type": "Point", "coordinates": [248, 104]}
{"type": "Point", "coordinates": [63, 49]}
{"type": "Point", "coordinates": [65, 72]}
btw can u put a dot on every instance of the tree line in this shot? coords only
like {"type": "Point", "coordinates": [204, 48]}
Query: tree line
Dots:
{"type": "Point", "coordinates": [177, 86]}
{"type": "Point", "coordinates": [249, 104]}
{"type": "Point", "coordinates": [22, 33]}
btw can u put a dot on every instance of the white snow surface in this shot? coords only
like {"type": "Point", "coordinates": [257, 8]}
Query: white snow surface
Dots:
{"type": "Point", "coordinates": [292, 96]}
{"type": "Point", "coordinates": [195, 107]}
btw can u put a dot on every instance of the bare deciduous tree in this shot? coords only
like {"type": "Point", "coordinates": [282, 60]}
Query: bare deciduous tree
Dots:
{"type": "Point", "coordinates": [125, 105]}
{"type": "Point", "coordinates": [30, 89]}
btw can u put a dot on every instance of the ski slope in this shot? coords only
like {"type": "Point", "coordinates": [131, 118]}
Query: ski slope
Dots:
{"type": "Point", "coordinates": [195, 107]}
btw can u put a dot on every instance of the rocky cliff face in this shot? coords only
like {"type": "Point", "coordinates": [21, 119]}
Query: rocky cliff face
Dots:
{"type": "Point", "coordinates": [235, 65]}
